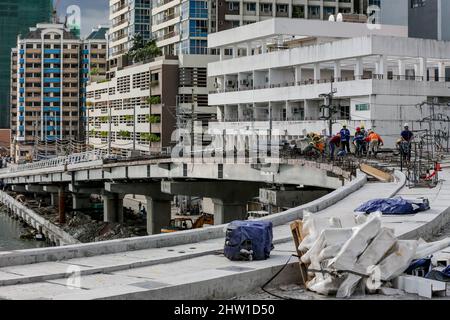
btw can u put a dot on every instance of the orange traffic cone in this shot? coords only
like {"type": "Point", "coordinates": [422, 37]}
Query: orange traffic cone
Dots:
{"type": "Point", "coordinates": [438, 167]}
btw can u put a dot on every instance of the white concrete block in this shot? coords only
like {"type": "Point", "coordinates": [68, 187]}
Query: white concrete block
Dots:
{"type": "Point", "coordinates": [421, 286]}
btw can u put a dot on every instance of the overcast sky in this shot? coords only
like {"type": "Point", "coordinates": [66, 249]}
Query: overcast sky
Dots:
{"type": "Point", "coordinates": [93, 13]}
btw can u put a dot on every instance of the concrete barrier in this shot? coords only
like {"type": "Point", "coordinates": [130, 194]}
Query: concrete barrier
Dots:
{"type": "Point", "coordinates": [167, 240]}
{"type": "Point", "coordinates": [36, 221]}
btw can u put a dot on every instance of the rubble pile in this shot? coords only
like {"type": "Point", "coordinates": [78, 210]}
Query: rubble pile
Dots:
{"type": "Point", "coordinates": [86, 230]}
{"type": "Point", "coordinates": [343, 253]}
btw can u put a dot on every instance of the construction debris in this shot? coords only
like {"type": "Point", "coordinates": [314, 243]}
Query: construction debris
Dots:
{"type": "Point", "coordinates": [340, 255]}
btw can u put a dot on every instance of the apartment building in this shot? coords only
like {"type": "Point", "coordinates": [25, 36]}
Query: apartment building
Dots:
{"type": "Point", "coordinates": [180, 28]}
{"type": "Point", "coordinates": [93, 67]}
{"type": "Point", "coordinates": [227, 14]}
{"type": "Point", "coordinates": [49, 70]}
{"type": "Point", "coordinates": [135, 110]}
{"type": "Point", "coordinates": [280, 69]}
{"type": "Point", "coordinates": [128, 18]}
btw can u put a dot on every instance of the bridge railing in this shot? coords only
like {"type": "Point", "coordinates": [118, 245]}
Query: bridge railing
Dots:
{"type": "Point", "coordinates": [57, 162]}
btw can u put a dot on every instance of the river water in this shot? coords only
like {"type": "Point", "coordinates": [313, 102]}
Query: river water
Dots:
{"type": "Point", "coordinates": [10, 231]}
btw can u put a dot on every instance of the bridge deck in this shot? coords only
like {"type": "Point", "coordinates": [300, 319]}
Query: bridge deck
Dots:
{"type": "Point", "coordinates": [197, 271]}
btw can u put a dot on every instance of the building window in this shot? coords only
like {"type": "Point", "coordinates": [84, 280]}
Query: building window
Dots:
{"type": "Point", "coordinates": [266, 7]}
{"type": "Point", "coordinates": [314, 12]}
{"type": "Point", "coordinates": [251, 6]}
{"type": "Point", "coordinates": [298, 12]}
{"type": "Point", "coordinates": [418, 3]}
{"type": "Point", "coordinates": [233, 6]}
{"type": "Point", "coordinates": [363, 107]}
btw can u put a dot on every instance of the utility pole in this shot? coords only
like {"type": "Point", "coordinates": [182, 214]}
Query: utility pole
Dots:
{"type": "Point", "coordinates": [150, 115]}
{"type": "Point", "coordinates": [328, 104]}
{"type": "Point", "coordinates": [192, 124]}
{"type": "Point", "coordinates": [110, 125]}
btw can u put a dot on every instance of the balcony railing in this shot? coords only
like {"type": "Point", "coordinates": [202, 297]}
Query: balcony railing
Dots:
{"type": "Point", "coordinates": [321, 81]}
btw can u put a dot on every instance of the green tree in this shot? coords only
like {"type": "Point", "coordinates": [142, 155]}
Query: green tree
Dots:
{"type": "Point", "coordinates": [141, 51]}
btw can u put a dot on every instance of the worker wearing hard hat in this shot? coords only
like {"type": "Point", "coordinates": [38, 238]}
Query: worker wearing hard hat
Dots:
{"type": "Point", "coordinates": [405, 140]}
{"type": "Point", "coordinates": [359, 142]}
{"type": "Point", "coordinates": [374, 140]}
{"type": "Point", "coordinates": [406, 134]}
{"type": "Point", "coordinates": [345, 138]}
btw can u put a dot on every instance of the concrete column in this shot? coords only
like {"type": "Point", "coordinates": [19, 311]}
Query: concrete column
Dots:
{"type": "Point", "coordinates": [228, 212]}
{"type": "Point", "coordinates": [235, 52]}
{"type": "Point", "coordinates": [337, 70]}
{"type": "Point", "coordinates": [54, 199]}
{"type": "Point", "coordinates": [298, 74]}
{"type": "Point", "coordinates": [222, 53]}
{"type": "Point", "coordinates": [441, 67]}
{"type": "Point", "coordinates": [113, 208]}
{"type": "Point", "coordinates": [401, 70]}
{"type": "Point", "coordinates": [423, 68]}
{"type": "Point", "coordinates": [383, 67]}
{"type": "Point", "coordinates": [249, 48]}
{"type": "Point", "coordinates": [62, 205]}
{"type": "Point", "coordinates": [316, 72]}
{"type": "Point", "coordinates": [159, 214]}
{"type": "Point", "coordinates": [263, 47]}
{"type": "Point", "coordinates": [81, 201]}
{"type": "Point", "coordinates": [359, 68]}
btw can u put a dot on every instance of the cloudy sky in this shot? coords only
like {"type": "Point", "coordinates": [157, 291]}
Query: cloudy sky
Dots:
{"type": "Point", "coordinates": [93, 12]}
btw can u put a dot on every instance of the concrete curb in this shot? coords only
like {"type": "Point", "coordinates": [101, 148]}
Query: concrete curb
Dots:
{"type": "Point", "coordinates": [401, 178]}
{"type": "Point", "coordinates": [166, 240]}
{"type": "Point", "coordinates": [115, 268]}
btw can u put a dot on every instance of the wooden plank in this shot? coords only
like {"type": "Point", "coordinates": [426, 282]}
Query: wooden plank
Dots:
{"type": "Point", "coordinates": [376, 173]}
{"type": "Point", "coordinates": [296, 229]}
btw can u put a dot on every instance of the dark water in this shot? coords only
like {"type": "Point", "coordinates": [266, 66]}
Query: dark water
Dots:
{"type": "Point", "coordinates": [10, 231]}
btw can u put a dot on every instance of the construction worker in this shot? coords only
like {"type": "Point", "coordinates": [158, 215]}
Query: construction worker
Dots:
{"type": "Point", "coordinates": [345, 139]}
{"type": "Point", "coordinates": [406, 134]}
{"type": "Point", "coordinates": [359, 142]}
{"type": "Point", "coordinates": [317, 145]}
{"type": "Point", "coordinates": [334, 143]}
{"type": "Point", "coordinates": [374, 140]}
{"type": "Point", "coordinates": [364, 132]}
{"type": "Point", "coordinates": [404, 143]}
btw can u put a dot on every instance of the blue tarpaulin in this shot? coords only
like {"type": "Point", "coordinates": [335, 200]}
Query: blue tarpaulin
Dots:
{"type": "Point", "coordinates": [443, 275]}
{"type": "Point", "coordinates": [255, 236]}
{"type": "Point", "coordinates": [393, 206]}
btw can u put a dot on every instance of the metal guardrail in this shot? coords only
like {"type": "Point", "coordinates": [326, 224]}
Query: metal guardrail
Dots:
{"type": "Point", "coordinates": [57, 162]}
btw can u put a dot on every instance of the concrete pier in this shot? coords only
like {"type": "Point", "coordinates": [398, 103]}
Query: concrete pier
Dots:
{"type": "Point", "coordinates": [159, 215]}
{"type": "Point", "coordinates": [159, 203]}
{"type": "Point", "coordinates": [113, 207]}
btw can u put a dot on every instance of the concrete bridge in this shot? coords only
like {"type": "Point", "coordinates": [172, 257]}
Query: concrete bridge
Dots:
{"type": "Point", "coordinates": [189, 265]}
{"type": "Point", "coordinates": [230, 185]}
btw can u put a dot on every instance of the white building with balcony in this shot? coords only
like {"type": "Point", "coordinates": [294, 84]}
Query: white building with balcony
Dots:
{"type": "Point", "coordinates": [279, 69]}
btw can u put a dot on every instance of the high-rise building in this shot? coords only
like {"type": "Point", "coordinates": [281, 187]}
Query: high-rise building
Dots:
{"type": "Point", "coordinates": [226, 14]}
{"type": "Point", "coordinates": [429, 19]}
{"type": "Point", "coordinates": [384, 11]}
{"type": "Point", "coordinates": [128, 18]}
{"type": "Point", "coordinates": [181, 27]}
{"type": "Point", "coordinates": [50, 69]}
{"type": "Point", "coordinates": [16, 16]}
